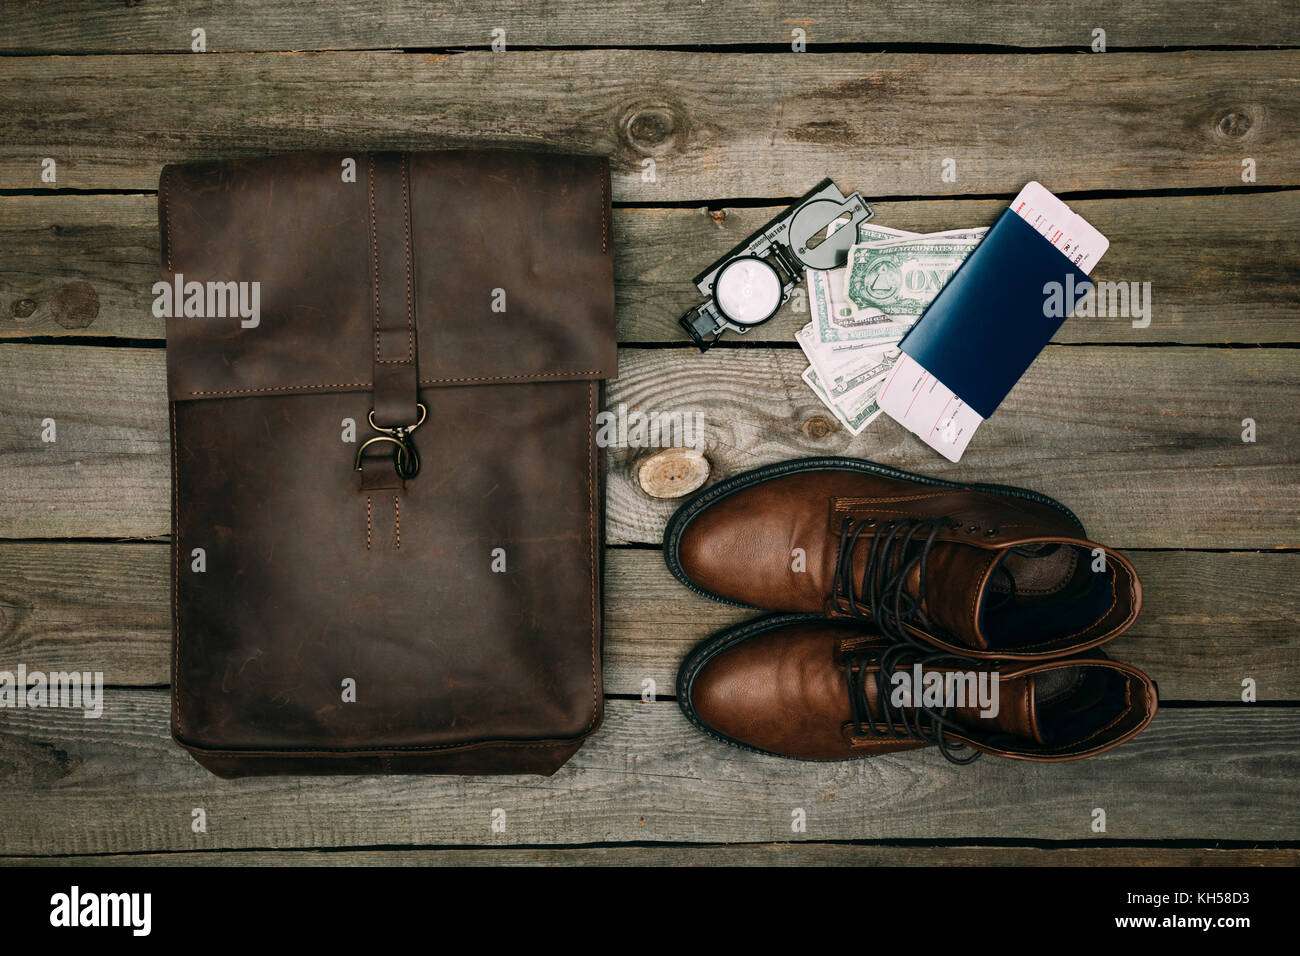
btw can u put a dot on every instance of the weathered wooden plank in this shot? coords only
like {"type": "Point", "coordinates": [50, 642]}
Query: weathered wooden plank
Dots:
{"type": "Point", "coordinates": [79, 265]}
{"type": "Point", "coordinates": [1248, 291]}
{"type": "Point", "coordinates": [251, 25]}
{"type": "Point", "coordinates": [87, 607]}
{"type": "Point", "coordinates": [1118, 120]}
{"type": "Point", "coordinates": [78, 786]}
{"type": "Point", "coordinates": [751, 854]}
{"type": "Point", "coordinates": [107, 471]}
{"type": "Point", "coordinates": [1143, 443]}
{"type": "Point", "coordinates": [1209, 621]}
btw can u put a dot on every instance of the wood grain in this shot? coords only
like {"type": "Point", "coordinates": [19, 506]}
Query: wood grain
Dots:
{"type": "Point", "coordinates": [1143, 443]}
{"type": "Point", "coordinates": [1248, 291]}
{"type": "Point", "coordinates": [78, 786]}
{"type": "Point", "coordinates": [750, 854]}
{"type": "Point", "coordinates": [884, 123]}
{"type": "Point", "coordinates": [1142, 440]}
{"type": "Point", "coordinates": [84, 26]}
{"type": "Point", "coordinates": [1209, 620]}
{"type": "Point", "coordinates": [107, 473]}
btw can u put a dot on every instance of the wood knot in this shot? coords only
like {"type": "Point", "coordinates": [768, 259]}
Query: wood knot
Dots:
{"type": "Point", "coordinates": [75, 305]}
{"type": "Point", "coordinates": [37, 762]}
{"type": "Point", "coordinates": [1235, 124]}
{"type": "Point", "coordinates": [672, 472]}
{"type": "Point", "coordinates": [653, 129]}
{"type": "Point", "coordinates": [718, 215]}
{"type": "Point", "coordinates": [22, 308]}
{"type": "Point", "coordinates": [819, 426]}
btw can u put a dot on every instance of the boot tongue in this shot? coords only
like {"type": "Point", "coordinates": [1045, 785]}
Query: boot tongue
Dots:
{"type": "Point", "coordinates": [1017, 711]}
{"type": "Point", "coordinates": [1014, 709]}
{"type": "Point", "coordinates": [955, 575]}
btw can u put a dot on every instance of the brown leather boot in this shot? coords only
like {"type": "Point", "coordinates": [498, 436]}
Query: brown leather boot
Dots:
{"type": "Point", "coordinates": [987, 571]}
{"type": "Point", "coordinates": [804, 687]}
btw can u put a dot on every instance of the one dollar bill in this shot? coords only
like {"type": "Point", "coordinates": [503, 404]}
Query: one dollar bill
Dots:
{"type": "Point", "coordinates": [899, 277]}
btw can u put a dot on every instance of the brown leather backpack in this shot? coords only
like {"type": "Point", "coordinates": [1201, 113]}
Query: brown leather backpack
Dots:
{"type": "Point", "coordinates": [383, 371]}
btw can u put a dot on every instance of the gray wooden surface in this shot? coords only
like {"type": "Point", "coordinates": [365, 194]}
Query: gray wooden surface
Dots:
{"type": "Point", "coordinates": [1101, 428]}
{"type": "Point", "coordinates": [51, 242]}
{"type": "Point", "coordinates": [1137, 429]}
{"type": "Point", "coordinates": [646, 776]}
{"type": "Point", "coordinates": [85, 26]}
{"type": "Point", "coordinates": [735, 854]}
{"type": "Point", "coordinates": [106, 607]}
{"type": "Point", "coordinates": [717, 125]}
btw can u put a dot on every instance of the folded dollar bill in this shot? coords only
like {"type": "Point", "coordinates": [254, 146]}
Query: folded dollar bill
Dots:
{"type": "Point", "coordinates": [861, 311]}
{"type": "Point", "coordinates": [855, 416]}
{"type": "Point", "coordinates": [844, 371]}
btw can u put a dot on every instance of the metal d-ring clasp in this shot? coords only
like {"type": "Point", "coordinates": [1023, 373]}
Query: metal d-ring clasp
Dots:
{"type": "Point", "coordinates": [406, 460]}
{"type": "Point", "coordinates": [399, 429]}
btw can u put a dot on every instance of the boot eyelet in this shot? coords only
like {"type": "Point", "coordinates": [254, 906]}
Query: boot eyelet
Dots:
{"type": "Point", "coordinates": [991, 532]}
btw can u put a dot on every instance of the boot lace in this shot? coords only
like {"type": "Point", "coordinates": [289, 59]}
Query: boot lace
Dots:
{"type": "Point", "coordinates": [927, 724]}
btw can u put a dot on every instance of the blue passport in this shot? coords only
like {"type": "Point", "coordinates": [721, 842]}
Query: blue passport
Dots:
{"type": "Point", "coordinates": [990, 320]}
{"type": "Point", "coordinates": [988, 324]}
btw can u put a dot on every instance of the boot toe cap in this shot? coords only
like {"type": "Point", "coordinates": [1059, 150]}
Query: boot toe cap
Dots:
{"type": "Point", "coordinates": [779, 692]}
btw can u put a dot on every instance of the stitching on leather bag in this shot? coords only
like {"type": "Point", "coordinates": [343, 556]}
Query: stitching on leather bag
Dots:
{"type": "Point", "coordinates": [406, 225]}
{"type": "Point", "coordinates": [498, 378]}
{"type": "Point", "coordinates": [284, 388]}
{"type": "Point", "coordinates": [374, 243]}
{"type": "Point", "coordinates": [410, 310]}
{"type": "Point", "coordinates": [428, 381]}
{"type": "Point", "coordinates": [397, 522]}
{"type": "Point", "coordinates": [592, 529]}
{"type": "Point", "coordinates": [367, 522]}
{"type": "Point", "coordinates": [176, 575]}
{"type": "Point", "coordinates": [603, 175]}
{"type": "Point", "coordinates": [167, 213]}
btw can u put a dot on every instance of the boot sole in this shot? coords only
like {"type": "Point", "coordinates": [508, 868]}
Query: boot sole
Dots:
{"type": "Point", "coordinates": [686, 513]}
